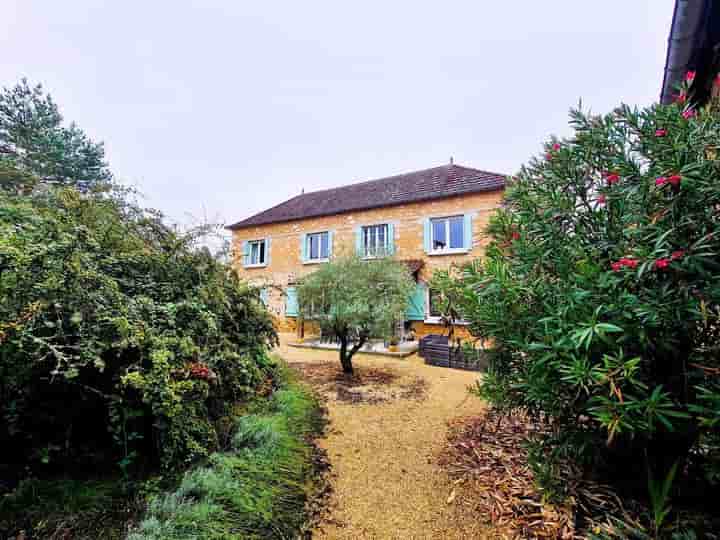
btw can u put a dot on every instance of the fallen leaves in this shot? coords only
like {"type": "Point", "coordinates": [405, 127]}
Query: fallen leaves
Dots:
{"type": "Point", "coordinates": [488, 458]}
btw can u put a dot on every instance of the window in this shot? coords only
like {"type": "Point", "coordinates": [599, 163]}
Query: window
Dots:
{"type": "Point", "coordinates": [447, 233]}
{"type": "Point", "coordinates": [256, 253]}
{"type": "Point", "coordinates": [318, 246]}
{"type": "Point", "coordinates": [375, 240]}
{"type": "Point", "coordinates": [434, 304]}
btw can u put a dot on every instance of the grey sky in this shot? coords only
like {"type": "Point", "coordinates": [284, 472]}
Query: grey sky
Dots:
{"type": "Point", "coordinates": [224, 108]}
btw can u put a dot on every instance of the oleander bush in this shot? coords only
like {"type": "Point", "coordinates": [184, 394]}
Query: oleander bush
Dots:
{"type": "Point", "coordinates": [600, 294]}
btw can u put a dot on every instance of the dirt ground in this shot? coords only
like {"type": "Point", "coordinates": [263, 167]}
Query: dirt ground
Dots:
{"type": "Point", "coordinates": [387, 427]}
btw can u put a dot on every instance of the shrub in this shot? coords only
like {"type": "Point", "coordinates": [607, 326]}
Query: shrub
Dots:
{"type": "Point", "coordinates": [118, 336]}
{"type": "Point", "coordinates": [600, 290]}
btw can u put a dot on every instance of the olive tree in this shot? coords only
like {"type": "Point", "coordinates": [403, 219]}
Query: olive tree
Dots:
{"type": "Point", "coordinates": [352, 300]}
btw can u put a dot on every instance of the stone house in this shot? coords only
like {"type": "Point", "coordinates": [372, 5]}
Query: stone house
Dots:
{"type": "Point", "coordinates": [429, 219]}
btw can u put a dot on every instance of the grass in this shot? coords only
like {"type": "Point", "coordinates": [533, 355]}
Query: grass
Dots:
{"type": "Point", "coordinates": [47, 508]}
{"type": "Point", "coordinates": [258, 488]}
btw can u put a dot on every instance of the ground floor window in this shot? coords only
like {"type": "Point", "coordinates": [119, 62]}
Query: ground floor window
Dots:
{"type": "Point", "coordinates": [434, 303]}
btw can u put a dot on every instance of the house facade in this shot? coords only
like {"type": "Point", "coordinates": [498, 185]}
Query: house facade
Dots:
{"type": "Point", "coordinates": [428, 219]}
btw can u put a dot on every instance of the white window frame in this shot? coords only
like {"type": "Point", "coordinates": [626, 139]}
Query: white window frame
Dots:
{"type": "Point", "coordinates": [386, 243]}
{"type": "Point", "coordinates": [447, 250]}
{"type": "Point", "coordinates": [432, 319]}
{"type": "Point", "coordinates": [308, 250]}
{"type": "Point", "coordinates": [258, 243]}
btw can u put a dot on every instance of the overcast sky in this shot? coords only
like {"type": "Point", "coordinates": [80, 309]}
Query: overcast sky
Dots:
{"type": "Point", "coordinates": [222, 108]}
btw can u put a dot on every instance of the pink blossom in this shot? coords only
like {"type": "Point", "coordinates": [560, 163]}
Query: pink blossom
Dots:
{"type": "Point", "coordinates": [674, 180]}
{"type": "Point", "coordinates": [660, 132]}
{"type": "Point", "coordinates": [688, 113]}
{"type": "Point", "coordinates": [660, 181]}
{"type": "Point", "coordinates": [662, 263]}
{"type": "Point", "coordinates": [677, 254]}
{"type": "Point", "coordinates": [690, 76]}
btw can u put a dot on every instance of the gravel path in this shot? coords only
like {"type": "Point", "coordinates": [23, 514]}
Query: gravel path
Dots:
{"type": "Point", "coordinates": [386, 429]}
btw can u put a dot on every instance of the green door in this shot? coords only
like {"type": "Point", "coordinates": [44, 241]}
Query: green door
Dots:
{"type": "Point", "coordinates": [416, 303]}
{"type": "Point", "coordinates": [291, 303]}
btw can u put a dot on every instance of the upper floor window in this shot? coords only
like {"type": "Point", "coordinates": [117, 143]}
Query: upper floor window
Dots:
{"type": "Point", "coordinates": [318, 246]}
{"type": "Point", "coordinates": [256, 253]}
{"type": "Point", "coordinates": [447, 233]}
{"type": "Point", "coordinates": [375, 240]}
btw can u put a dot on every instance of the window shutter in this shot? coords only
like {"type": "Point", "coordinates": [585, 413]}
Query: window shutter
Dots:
{"type": "Point", "coordinates": [426, 235]}
{"type": "Point", "coordinates": [416, 303]}
{"type": "Point", "coordinates": [264, 296]}
{"type": "Point", "coordinates": [303, 247]}
{"type": "Point", "coordinates": [390, 239]}
{"type": "Point", "coordinates": [330, 243]}
{"type": "Point", "coordinates": [359, 241]}
{"type": "Point", "coordinates": [267, 252]}
{"type": "Point", "coordinates": [291, 303]}
{"type": "Point", "coordinates": [467, 231]}
{"type": "Point", "coordinates": [245, 253]}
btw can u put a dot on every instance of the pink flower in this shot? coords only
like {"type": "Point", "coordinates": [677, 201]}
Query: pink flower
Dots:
{"type": "Point", "coordinates": [611, 177]}
{"type": "Point", "coordinates": [624, 262]}
{"type": "Point", "coordinates": [556, 147]}
{"type": "Point", "coordinates": [515, 235]}
{"type": "Point", "coordinates": [548, 156]}
{"type": "Point", "coordinates": [674, 180]}
{"type": "Point", "coordinates": [716, 82]}
{"type": "Point", "coordinates": [630, 263]}
{"type": "Point", "coordinates": [601, 199]}
{"type": "Point", "coordinates": [677, 255]}
{"type": "Point", "coordinates": [660, 132]}
{"type": "Point", "coordinates": [688, 113]}
{"type": "Point", "coordinates": [680, 98]}
{"type": "Point", "coordinates": [690, 76]}
{"type": "Point", "coordinates": [662, 263]}
{"type": "Point", "coordinates": [660, 181]}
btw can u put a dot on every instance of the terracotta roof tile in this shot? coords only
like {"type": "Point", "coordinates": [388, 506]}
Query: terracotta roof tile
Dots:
{"type": "Point", "coordinates": [435, 183]}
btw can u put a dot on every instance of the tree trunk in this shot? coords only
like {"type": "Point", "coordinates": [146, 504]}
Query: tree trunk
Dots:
{"type": "Point", "coordinates": [345, 358]}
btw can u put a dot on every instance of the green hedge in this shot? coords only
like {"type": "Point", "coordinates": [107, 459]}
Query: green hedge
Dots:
{"type": "Point", "coordinates": [121, 340]}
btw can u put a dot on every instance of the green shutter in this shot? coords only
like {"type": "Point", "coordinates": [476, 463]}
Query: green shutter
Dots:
{"type": "Point", "coordinates": [467, 231]}
{"type": "Point", "coordinates": [245, 253]}
{"type": "Point", "coordinates": [358, 241]}
{"type": "Point", "coordinates": [416, 303]}
{"type": "Point", "coordinates": [303, 247]}
{"type": "Point", "coordinates": [426, 235]}
{"type": "Point", "coordinates": [291, 302]}
{"type": "Point", "coordinates": [390, 239]}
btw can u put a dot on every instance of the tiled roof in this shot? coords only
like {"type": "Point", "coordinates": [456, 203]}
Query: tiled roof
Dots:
{"type": "Point", "coordinates": [435, 183]}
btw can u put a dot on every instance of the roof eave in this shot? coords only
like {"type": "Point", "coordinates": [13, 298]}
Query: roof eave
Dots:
{"type": "Point", "coordinates": [242, 225]}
